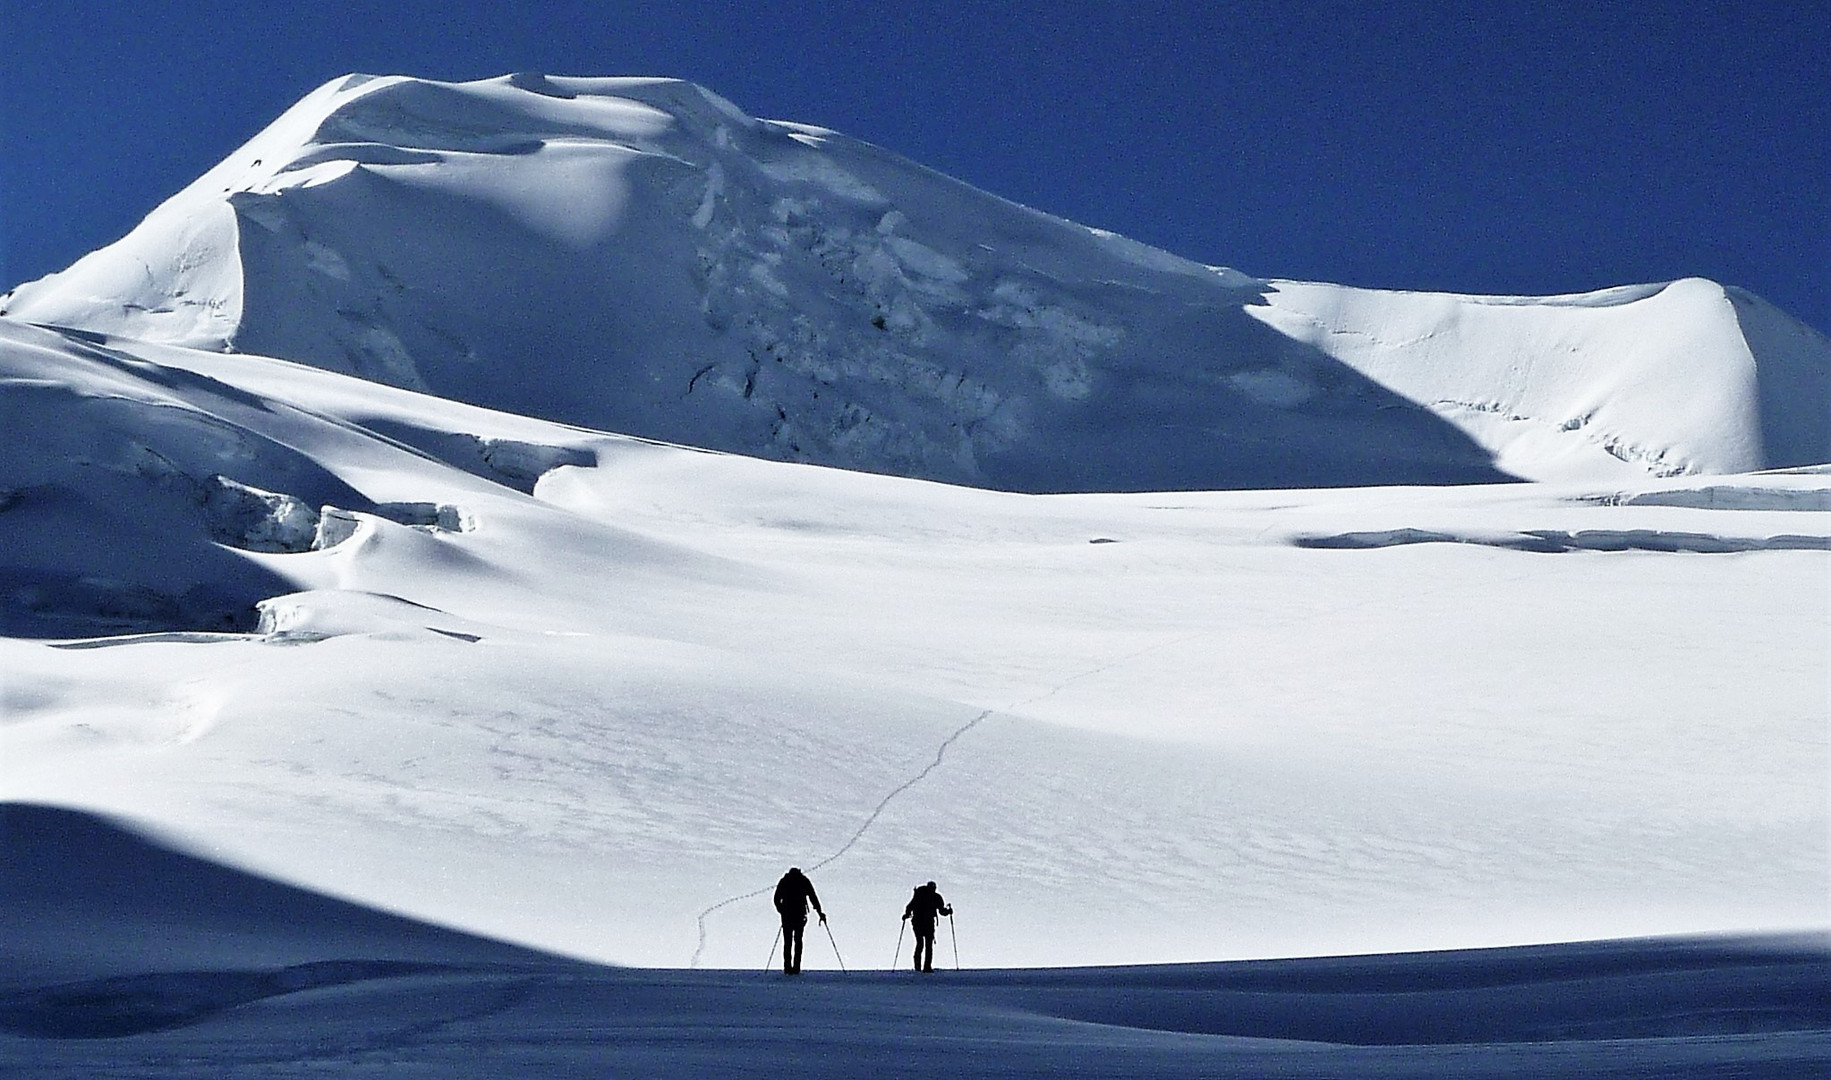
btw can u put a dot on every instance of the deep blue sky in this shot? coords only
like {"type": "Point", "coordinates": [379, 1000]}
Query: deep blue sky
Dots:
{"type": "Point", "coordinates": [1495, 148]}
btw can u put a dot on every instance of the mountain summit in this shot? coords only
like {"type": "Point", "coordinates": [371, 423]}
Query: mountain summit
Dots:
{"type": "Point", "coordinates": [640, 256]}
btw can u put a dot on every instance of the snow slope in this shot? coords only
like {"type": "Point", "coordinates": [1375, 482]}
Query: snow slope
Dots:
{"type": "Point", "coordinates": [638, 255]}
{"type": "Point", "coordinates": [591, 693]}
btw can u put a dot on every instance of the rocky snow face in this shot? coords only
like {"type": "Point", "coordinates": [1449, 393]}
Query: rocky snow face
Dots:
{"type": "Point", "coordinates": [640, 256]}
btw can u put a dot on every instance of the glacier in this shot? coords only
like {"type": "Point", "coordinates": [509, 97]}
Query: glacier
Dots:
{"type": "Point", "coordinates": [460, 550]}
{"type": "Point", "coordinates": [674, 269]}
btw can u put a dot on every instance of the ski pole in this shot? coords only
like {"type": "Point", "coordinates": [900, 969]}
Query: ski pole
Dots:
{"type": "Point", "coordinates": [899, 943]}
{"type": "Point", "coordinates": [952, 934]}
{"type": "Point", "coordinates": [771, 962]}
{"type": "Point", "coordinates": [829, 937]}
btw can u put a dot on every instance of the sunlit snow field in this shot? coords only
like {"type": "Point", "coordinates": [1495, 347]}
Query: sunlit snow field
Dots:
{"type": "Point", "coordinates": [347, 727]}
{"type": "Point", "coordinates": [1169, 727]}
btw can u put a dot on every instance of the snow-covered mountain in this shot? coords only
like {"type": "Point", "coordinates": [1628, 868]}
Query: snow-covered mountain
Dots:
{"type": "Point", "coordinates": [640, 256]}
{"type": "Point", "coordinates": [363, 523]}
{"type": "Point", "coordinates": [591, 693]}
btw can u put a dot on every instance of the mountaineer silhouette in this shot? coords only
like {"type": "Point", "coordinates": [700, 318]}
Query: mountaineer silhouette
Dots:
{"type": "Point", "coordinates": [793, 895]}
{"type": "Point", "coordinates": [921, 911]}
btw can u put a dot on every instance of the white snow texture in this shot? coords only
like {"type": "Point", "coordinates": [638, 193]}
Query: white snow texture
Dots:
{"type": "Point", "coordinates": [551, 507]}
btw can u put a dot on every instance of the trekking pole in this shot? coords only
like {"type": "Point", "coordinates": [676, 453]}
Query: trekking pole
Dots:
{"type": "Point", "coordinates": [899, 943]}
{"type": "Point", "coordinates": [956, 937]}
{"type": "Point", "coordinates": [771, 962]}
{"type": "Point", "coordinates": [829, 937]}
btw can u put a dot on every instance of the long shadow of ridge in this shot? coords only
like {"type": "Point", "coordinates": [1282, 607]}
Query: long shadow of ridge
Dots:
{"type": "Point", "coordinates": [104, 932]}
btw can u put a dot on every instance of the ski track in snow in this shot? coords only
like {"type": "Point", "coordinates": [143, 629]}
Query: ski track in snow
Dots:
{"type": "Point", "coordinates": [940, 753]}
{"type": "Point", "coordinates": [871, 819]}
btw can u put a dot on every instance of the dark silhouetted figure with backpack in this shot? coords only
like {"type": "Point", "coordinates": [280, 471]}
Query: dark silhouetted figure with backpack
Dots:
{"type": "Point", "coordinates": [793, 894]}
{"type": "Point", "coordinates": [921, 912]}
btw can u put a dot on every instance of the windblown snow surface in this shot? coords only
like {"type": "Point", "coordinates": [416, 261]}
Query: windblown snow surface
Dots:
{"type": "Point", "coordinates": [481, 533]}
{"type": "Point", "coordinates": [638, 256]}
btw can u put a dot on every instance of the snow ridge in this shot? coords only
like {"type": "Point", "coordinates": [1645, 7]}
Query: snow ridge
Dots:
{"type": "Point", "coordinates": [637, 255]}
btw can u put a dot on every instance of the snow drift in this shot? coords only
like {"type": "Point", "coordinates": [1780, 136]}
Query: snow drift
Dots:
{"type": "Point", "coordinates": [639, 256]}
